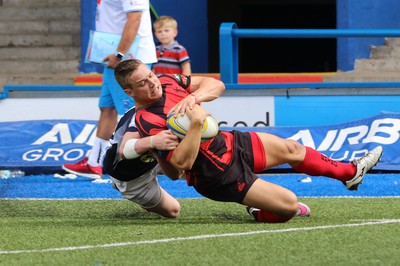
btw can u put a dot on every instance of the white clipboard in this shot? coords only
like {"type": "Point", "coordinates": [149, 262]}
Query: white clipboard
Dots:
{"type": "Point", "coordinates": [102, 44]}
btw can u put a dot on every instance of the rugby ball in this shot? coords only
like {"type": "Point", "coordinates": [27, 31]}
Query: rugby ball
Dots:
{"type": "Point", "coordinates": [180, 124]}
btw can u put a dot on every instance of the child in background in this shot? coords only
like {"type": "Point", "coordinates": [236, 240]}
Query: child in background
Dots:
{"type": "Point", "coordinates": [172, 57]}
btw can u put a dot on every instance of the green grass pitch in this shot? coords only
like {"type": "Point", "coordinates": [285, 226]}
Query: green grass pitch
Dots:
{"type": "Point", "coordinates": [341, 231]}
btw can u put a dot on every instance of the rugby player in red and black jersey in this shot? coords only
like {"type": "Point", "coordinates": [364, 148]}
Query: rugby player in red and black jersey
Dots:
{"type": "Point", "coordinates": [224, 167]}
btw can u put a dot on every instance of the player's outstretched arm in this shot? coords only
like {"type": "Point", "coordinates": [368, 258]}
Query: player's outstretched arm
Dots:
{"type": "Point", "coordinates": [132, 146]}
{"type": "Point", "coordinates": [206, 89]}
{"type": "Point", "coordinates": [203, 89]}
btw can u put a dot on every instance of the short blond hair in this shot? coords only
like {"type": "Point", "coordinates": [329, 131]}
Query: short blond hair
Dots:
{"type": "Point", "coordinates": [165, 21]}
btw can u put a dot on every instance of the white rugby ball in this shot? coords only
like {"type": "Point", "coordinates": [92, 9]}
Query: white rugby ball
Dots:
{"type": "Point", "coordinates": [179, 126]}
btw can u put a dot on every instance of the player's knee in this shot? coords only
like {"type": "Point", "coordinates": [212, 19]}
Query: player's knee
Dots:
{"type": "Point", "coordinates": [174, 211]}
{"type": "Point", "coordinates": [293, 146]}
{"type": "Point", "coordinates": [289, 207]}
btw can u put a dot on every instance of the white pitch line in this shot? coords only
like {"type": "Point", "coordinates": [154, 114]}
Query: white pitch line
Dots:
{"type": "Point", "coordinates": [167, 240]}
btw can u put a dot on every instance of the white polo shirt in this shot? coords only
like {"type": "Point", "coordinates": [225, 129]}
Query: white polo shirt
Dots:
{"type": "Point", "coordinates": [111, 18]}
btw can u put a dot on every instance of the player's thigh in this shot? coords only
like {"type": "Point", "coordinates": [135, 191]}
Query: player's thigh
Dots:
{"type": "Point", "coordinates": [144, 190]}
{"type": "Point", "coordinates": [147, 193]}
{"type": "Point", "coordinates": [167, 207]}
{"type": "Point", "coordinates": [280, 151]}
{"type": "Point", "coordinates": [271, 197]}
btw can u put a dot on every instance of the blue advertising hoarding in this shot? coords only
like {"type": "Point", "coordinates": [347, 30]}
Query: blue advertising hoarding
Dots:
{"type": "Point", "coordinates": [47, 144]}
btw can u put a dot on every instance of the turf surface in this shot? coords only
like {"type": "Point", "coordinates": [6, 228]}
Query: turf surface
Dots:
{"type": "Point", "coordinates": [70, 225]}
{"type": "Point", "coordinates": [341, 231]}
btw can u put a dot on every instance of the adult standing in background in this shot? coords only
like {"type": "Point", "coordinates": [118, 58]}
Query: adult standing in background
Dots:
{"type": "Point", "coordinates": [130, 19]}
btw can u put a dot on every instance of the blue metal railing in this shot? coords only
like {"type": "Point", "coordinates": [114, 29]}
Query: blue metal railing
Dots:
{"type": "Point", "coordinates": [229, 36]}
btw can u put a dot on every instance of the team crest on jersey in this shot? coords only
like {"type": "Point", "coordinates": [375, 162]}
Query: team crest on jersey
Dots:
{"type": "Point", "coordinates": [147, 158]}
{"type": "Point", "coordinates": [182, 80]}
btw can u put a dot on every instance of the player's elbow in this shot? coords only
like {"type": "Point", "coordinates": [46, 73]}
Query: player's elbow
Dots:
{"type": "Point", "coordinates": [185, 166]}
{"type": "Point", "coordinates": [182, 163]}
{"type": "Point", "coordinates": [177, 175]}
{"type": "Point", "coordinates": [173, 211]}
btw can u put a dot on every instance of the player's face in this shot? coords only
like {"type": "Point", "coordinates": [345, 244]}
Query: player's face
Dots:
{"type": "Point", "coordinates": [146, 87]}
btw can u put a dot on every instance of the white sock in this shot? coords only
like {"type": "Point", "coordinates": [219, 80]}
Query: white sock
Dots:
{"type": "Point", "coordinates": [98, 151]}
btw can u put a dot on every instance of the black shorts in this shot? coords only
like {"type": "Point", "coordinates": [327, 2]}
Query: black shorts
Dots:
{"type": "Point", "coordinates": [127, 170]}
{"type": "Point", "coordinates": [233, 184]}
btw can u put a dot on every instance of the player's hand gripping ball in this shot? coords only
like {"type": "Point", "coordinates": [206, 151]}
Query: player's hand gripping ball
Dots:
{"type": "Point", "coordinates": [179, 126]}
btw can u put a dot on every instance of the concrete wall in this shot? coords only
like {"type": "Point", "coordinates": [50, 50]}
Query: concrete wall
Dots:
{"type": "Point", "coordinates": [375, 14]}
{"type": "Point", "coordinates": [39, 41]}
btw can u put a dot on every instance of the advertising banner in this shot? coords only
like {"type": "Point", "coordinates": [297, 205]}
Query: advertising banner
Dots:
{"type": "Point", "coordinates": [43, 144]}
{"type": "Point", "coordinates": [48, 144]}
{"type": "Point", "coordinates": [348, 141]}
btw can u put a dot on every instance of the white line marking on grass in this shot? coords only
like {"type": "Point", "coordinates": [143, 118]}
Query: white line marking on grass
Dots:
{"type": "Point", "coordinates": [174, 239]}
{"type": "Point", "coordinates": [201, 197]}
